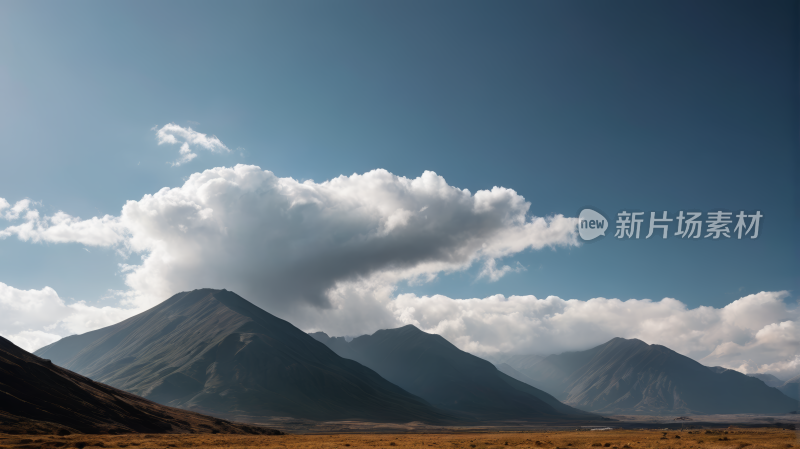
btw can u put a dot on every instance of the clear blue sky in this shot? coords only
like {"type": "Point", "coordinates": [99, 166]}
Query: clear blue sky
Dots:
{"type": "Point", "coordinates": [650, 106]}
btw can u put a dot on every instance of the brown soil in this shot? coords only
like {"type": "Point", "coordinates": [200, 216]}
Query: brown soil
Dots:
{"type": "Point", "coordinates": [732, 438]}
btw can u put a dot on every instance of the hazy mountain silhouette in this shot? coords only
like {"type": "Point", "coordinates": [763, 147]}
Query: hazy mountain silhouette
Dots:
{"type": "Point", "coordinates": [769, 379]}
{"type": "Point", "coordinates": [509, 371]}
{"type": "Point", "coordinates": [630, 376]}
{"type": "Point", "coordinates": [523, 361]}
{"type": "Point", "coordinates": [429, 366]}
{"type": "Point", "coordinates": [38, 397]}
{"type": "Point", "coordinates": [791, 388]}
{"type": "Point", "coordinates": [213, 351]}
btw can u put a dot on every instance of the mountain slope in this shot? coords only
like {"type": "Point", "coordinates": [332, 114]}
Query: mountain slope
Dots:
{"type": "Point", "coordinates": [213, 351]}
{"type": "Point", "coordinates": [791, 388]}
{"type": "Point", "coordinates": [509, 371]}
{"type": "Point", "coordinates": [768, 379]}
{"type": "Point", "coordinates": [630, 376]}
{"type": "Point", "coordinates": [431, 367]}
{"type": "Point", "coordinates": [37, 396]}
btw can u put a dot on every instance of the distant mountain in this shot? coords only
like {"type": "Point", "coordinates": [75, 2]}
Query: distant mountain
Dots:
{"type": "Point", "coordinates": [524, 361]}
{"type": "Point", "coordinates": [213, 351]}
{"type": "Point", "coordinates": [38, 397]}
{"type": "Point", "coordinates": [630, 376]}
{"type": "Point", "coordinates": [791, 388]}
{"type": "Point", "coordinates": [509, 371]}
{"type": "Point", "coordinates": [432, 368]}
{"type": "Point", "coordinates": [769, 379]}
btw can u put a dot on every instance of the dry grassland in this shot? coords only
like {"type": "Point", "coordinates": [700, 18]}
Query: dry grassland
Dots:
{"type": "Point", "coordinates": [612, 439]}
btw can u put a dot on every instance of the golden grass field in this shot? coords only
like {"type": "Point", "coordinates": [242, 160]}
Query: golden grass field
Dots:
{"type": "Point", "coordinates": [731, 438]}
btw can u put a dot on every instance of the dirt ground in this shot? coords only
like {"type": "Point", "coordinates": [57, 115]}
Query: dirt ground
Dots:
{"type": "Point", "coordinates": [731, 438]}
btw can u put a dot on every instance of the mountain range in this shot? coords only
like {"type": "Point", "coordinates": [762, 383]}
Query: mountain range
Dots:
{"type": "Point", "coordinates": [768, 379]}
{"type": "Point", "coordinates": [791, 388]}
{"type": "Point", "coordinates": [214, 352]}
{"type": "Point", "coordinates": [38, 397]}
{"type": "Point", "coordinates": [629, 376]}
{"type": "Point", "coordinates": [432, 368]}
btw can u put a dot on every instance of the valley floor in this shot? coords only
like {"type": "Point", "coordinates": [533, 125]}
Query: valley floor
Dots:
{"type": "Point", "coordinates": [730, 438]}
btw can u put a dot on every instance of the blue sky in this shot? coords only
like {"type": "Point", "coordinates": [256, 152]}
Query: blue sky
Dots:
{"type": "Point", "coordinates": [647, 106]}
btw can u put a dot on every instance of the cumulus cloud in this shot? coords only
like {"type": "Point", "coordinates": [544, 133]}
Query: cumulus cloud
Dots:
{"type": "Point", "coordinates": [60, 227]}
{"type": "Point", "coordinates": [287, 245]}
{"type": "Point", "coordinates": [189, 139]}
{"type": "Point", "coordinates": [12, 213]}
{"type": "Point", "coordinates": [35, 318]}
{"type": "Point", "coordinates": [328, 256]}
{"type": "Point", "coordinates": [756, 333]}
{"type": "Point", "coordinates": [491, 272]}
{"type": "Point", "coordinates": [63, 228]}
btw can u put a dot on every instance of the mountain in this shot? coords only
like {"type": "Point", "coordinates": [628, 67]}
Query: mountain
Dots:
{"type": "Point", "coordinates": [630, 376]}
{"type": "Point", "coordinates": [791, 388]}
{"type": "Point", "coordinates": [508, 370]}
{"type": "Point", "coordinates": [769, 379]}
{"type": "Point", "coordinates": [523, 361]}
{"type": "Point", "coordinates": [432, 368]}
{"type": "Point", "coordinates": [213, 351]}
{"type": "Point", "coordinates": [38, 397]}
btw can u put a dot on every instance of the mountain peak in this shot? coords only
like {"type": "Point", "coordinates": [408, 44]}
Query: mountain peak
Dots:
{"type": "Point", "coordinates": [626, 341]}
{"type": "Point", "coordinates": [409, 328]}
{"type": "Point", "coordinates": [630, 376]}
{"type": "Point", "coordinates": [40, 397]}
{"type": "Point", "coordinates": [431, 367]}
{"type": "Point", "coordinates": [213, 350]}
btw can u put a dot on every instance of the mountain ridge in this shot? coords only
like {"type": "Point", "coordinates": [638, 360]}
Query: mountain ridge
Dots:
{"type": "Point", "coordinates": [213, 351]}
{"type": "Point", "coordinates": [630, 376]}
{"type": "Point", "coordinates": [41, 397]}
{"type": "Point", "coordinates": [431, 367]}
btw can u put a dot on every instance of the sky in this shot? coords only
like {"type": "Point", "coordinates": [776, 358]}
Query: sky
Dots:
{"type": "Point", "coordinates": [356, 165]}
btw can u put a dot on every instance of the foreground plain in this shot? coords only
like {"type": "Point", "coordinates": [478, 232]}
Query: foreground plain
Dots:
{"type": "Point", "coordinates": [731, 438]}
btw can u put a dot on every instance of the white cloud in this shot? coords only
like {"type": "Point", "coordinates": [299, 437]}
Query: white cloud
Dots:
{"type": "Point", "coordinates": [189, 139]}
{"type": "Point", "coordinates": [13, 213]}
{"type": "Point", "coordinates": [775, 348]}
{"type": "Point", "coordinates": [328, 256]}
{"type": "Point", "coordinates": [287, 245]}
{"type": "Point", "coordinates": [34, 318]}
{"type": "Point", "coordinates": [494, 274]}
{"type": "Point", "coordinates": [63, 228]}
{"type": "Point", "coordinates": [757, 333]}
